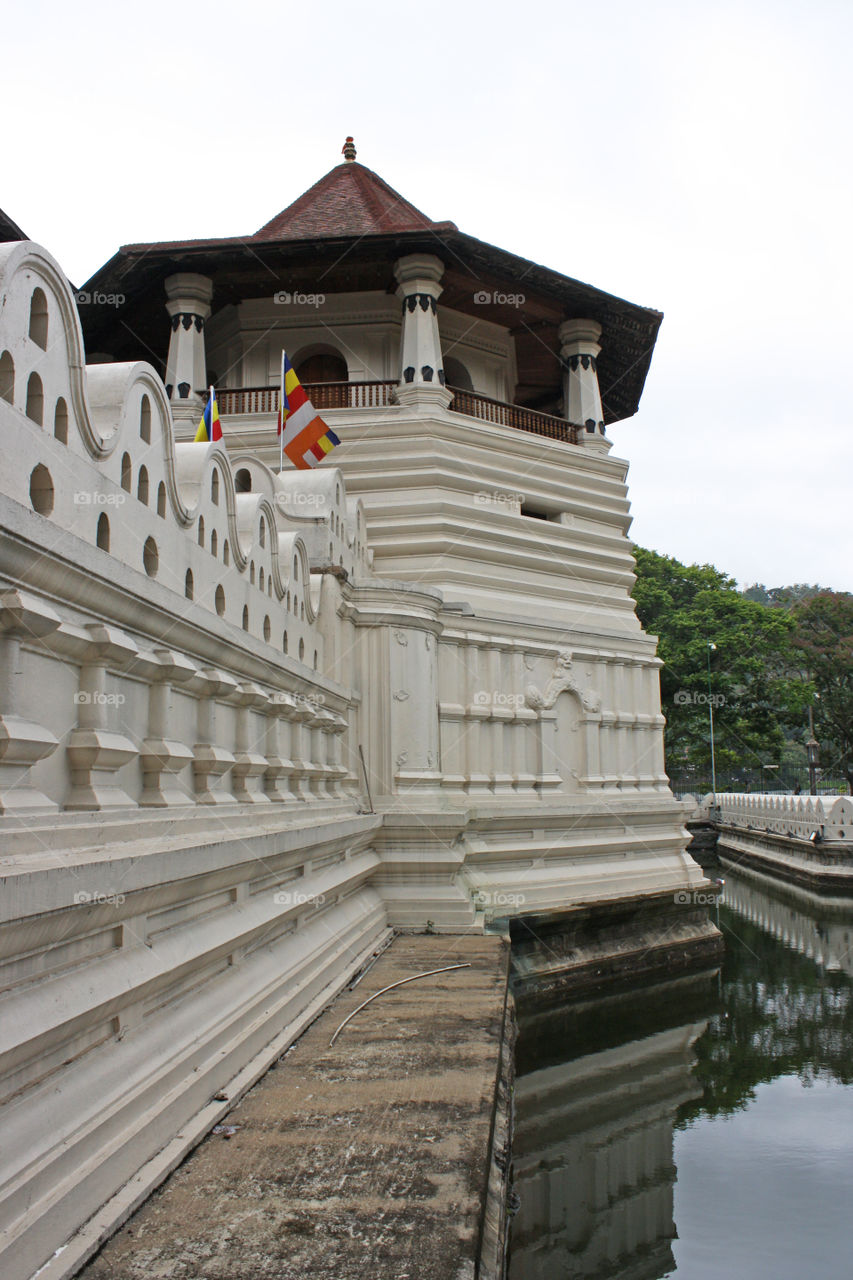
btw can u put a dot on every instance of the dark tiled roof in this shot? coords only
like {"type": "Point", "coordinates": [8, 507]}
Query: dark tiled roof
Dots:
{"type": "Point", "coordinates": [9, 230]}
{"type": "Point", "coordinates": [349, 200]}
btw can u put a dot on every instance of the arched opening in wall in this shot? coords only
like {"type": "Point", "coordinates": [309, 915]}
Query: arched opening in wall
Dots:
{"type": "Point", "coordinates": [456, 374]}
{"type": "Point", "coordinates": [7, 377]}
{"type": "Point", "coordinates": [226, 552]}
{"type": "Point", "coordinates": [126, 472]}
{"type": "Point", "coordinates": [219, 600]}
{"type": "Point", "coordinates": [35, 399]}
{"type": "Point", "coordinates": [261, 580]}
{"type": "Point", "coordinates": [201, 531]}
{"type": "Point", "coordinates": [331, 552]}
{"type": "Point", "coordinates": [38, 319]}
{"type": "Point", "coordinates": [142, 485]}
{"type": "Point", "coordinates": [302, 611]}
{"type": "Point", "coordinates": [315, 659]}
{"type": "Point", "coordinates": [269, 583]}
{"type": "Point", "coordinates": [262, 532]}
{"type": "Point", "coordinates": [60, 421]}
{"type": "Point", "coordinates": [150, 558]}
{"type": "Point", "coordinates": [161, 500]}
{"type": "Point", "coordinates": [284, 643]}
{"type": "Point", "coordinates": [252, 573]}
{"type": "Point", "coordinates": [320, 363]}
{"type": "Point", "coordinates": [301, 650]}
{"type": "Point", "coordinates": [295, 605]}
{"type": "Point", "coordinates": [145, 420]}
{"type": "Point", "coordinates": [188, 584]}
{"type": "Point", "coordinates": [214, 543]}
{"type": "Point", "coordinates": [41, 490]}
{"type": "Point", "coordinates": [102, 536]}
{"type": "Point", "coordinates": [295, 569]}
{"type": "Point", "coordinates": [243, 480]}
{"type": "Point", "coordinates": [245, 617]}
{"type": "Point", "coordinates": [267, 628]}
{"type": "Point", "coordinates": [214, 487]}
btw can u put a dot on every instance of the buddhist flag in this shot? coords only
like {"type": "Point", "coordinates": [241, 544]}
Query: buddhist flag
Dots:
{"type": "Point", "coordinates": [303, 435]}
{"type": "Point", "coordinates": [209, 428]}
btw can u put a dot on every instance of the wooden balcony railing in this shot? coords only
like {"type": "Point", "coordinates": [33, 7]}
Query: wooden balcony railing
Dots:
{"type": "Point", "coordinates": [512, 415]}
{"type": "Point", "coordinates": [376, 395]}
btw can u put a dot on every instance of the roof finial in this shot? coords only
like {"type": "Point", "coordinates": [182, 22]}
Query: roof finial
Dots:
{"type": "Point", "coordinates": [348, 150]}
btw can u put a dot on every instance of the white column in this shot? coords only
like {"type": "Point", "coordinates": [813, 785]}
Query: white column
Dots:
{"type": "Point", "coordinates": [188, 305]}
{"type": "Point", "coordinates": [421, 362]}
{"type": "Point", "coordinates": [579, 348]}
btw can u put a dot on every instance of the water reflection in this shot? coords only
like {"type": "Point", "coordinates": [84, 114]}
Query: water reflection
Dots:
{"type": "Point", "coordinates": [697, 1130]}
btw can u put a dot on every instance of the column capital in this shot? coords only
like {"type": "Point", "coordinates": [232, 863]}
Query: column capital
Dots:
{"type": "Point", "coordinates": [419, 273]}
{"type": "Point", "coordinates": [579, 337]}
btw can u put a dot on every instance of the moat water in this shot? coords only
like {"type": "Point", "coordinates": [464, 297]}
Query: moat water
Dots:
{"type": "Point", "coordinates": [703, 1128]}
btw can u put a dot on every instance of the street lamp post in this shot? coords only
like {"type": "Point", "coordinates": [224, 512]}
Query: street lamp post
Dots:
{"type": "Point", "coordinates": [710, 645]}
{"type": "Point", "coordinates": [813, 748]}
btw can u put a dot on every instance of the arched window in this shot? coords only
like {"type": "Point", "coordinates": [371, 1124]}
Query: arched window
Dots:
{"type": "Point", "coordinates": [41, 490]}
{"type": "Point", "coordinates": [60, 421]}
{"type": "Point", "coordinates": [219, 600]}
{"type": "Point", "coordinates": [321, 364]}
{"type": "Point", "coordinates": [315, 659]}
{"type": "Point", "coordinates": [295, 569]}
{"type": "Point", "coordinates": [102, 537]}
{"type": "Point", "coordinates": [226, 552]}
{"type": "Point", "coordinates": [245, 617]}
{"type": "Point", "coordinates": [456, 375]}
{"type": "Point", "coordinates": [201, 531]}
{"type": "Point", "coordinates": [35, 399]}
{"type": "Point", "coordinates": [267, 628]}
{"type": "Point", "coordinates": [262, 532]}
{"type": "Point", "coordinates": [142, 485]}
{"type": "Point", "coordinates": [145, 420]}
{"type": "Point", "coordinates": [126, 472]}
{"type": "Point", "coordinates": [214, 543]}
{"type": "Point", "coordinates": [214, 487]}
{"type": "Point", "coordinates": [252, 573]}
{"type": "Point", "coordinates": [188, 584]}
{"type": "Point", "coordinates": [161, 500]}
{"type": "Point", "coordinates": [301, 650]}
{"type": "Point", "coordinates": [38, 319]}
{"type": "Point", "coordinates": [150, 557]}
{"type": "Point", "coordinates": [261, 580]}
{"type": "Point", "coordinates": [243, 480]}
{"type": "Point", "coordinates": [7, 377]}
{"type": "Point", "coordinates": [284, 643]}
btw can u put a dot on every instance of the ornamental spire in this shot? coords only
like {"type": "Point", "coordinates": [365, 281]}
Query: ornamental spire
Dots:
{"type": "Point", "coordinates": [348, 150]}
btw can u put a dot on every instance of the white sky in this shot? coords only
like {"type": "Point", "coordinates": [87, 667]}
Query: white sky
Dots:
{"type": "Point", "coordinates": [689, 157]}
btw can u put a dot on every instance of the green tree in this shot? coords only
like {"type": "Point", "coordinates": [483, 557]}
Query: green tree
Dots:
{"type": "Point", "coordinates": [753, 687]}
{"type": "Point", "coordinates": [824, 640]}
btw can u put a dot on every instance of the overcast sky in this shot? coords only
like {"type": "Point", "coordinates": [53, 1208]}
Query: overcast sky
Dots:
{"type": "Point", "coordinates": [689, 157]}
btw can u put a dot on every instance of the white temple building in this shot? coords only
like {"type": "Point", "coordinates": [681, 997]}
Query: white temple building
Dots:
{"type": "Point", "coordinates": [252, 721]}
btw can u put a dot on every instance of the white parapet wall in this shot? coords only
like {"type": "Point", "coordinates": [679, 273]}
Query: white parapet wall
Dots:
{"type": "Point", "coordinates": [238, 746]}
{"type": "Point", "coordinates": [828, 818]}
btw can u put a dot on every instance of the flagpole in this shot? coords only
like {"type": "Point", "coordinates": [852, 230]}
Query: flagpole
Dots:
{"type": "Point", "coordinates": [280, 419]}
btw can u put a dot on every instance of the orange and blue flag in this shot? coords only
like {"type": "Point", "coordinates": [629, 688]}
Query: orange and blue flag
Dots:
{"type": "Point", "coordinates": [304, 436]}
{"type": "Point", "coordinates": [209, 428]}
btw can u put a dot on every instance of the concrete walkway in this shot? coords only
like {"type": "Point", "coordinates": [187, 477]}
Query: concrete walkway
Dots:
{"type": "Point", "coordinates": [366, 1161]}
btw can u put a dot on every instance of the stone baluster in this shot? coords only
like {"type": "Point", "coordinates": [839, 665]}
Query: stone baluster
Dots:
{"type": "Point", "coordinates": [95, 751]}
{"type": "Point", "coordinates": [23, 742]}
{"type": "Point", "coordinates": [250, 765]}
{"type": "Point", "coordinates": [279, 765]}
{"type": "Point", "coordinates": [210, 760]}
{"type": "Point", "coordinates": [303, 772]}
{"type": "Point", "coordinates": [163, 758]}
